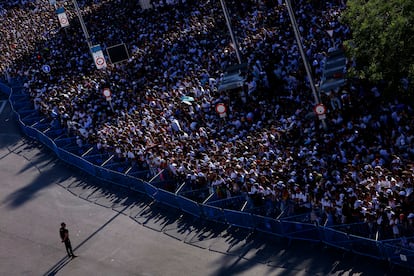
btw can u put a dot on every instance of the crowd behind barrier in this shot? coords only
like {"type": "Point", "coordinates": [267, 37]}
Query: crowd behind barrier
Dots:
{"type": "Point", "coordinates": [270, 146]}
{"type": "Point", "coordinates": [270, 157]}
{"type": "Point", "coordinates": [347, 237]}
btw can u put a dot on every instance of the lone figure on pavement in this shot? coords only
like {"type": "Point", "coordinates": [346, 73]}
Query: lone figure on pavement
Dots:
{"type": "Point", "coordinates": [64, 235]}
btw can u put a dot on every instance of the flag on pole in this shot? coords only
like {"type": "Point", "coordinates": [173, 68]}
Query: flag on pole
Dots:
{"type": "Point", "coordinates": [98, 57]}
{"type": "Point", "coordinates": [63, 19]}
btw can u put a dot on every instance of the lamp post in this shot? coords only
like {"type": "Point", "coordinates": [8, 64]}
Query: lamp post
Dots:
{"type": "Point", "coordinates": [85, 31]}
{"type": "Point", "coordinates": [228, 22]}
{"type": "Point", "coordinates": [302, 53]}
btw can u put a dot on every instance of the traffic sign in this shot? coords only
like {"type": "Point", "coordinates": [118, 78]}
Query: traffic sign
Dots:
{"type": "Point", "coordinates": [46, 68]}
{"type": "Point", "coordinates": [100, 61]}
{"type": "Point", "coordinates": [221, 109]}
{"type": "Point", "coordinates": [98, 57]}
{"type": "Point", "coordinates": [107, 93]}
{"type": "Point", "coordinates": [63, 18]}
{"type": "Point", "coordinates": [320, 110]}
{"type": "Point", "coordinates": [63, 21]}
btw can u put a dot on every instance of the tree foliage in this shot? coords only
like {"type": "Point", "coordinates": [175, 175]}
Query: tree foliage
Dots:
{"type": "Point", "coordinates": [382, 41]}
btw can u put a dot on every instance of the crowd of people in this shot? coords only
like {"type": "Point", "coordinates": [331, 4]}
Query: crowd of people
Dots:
{"type": "Point", "coordinates": [269, 145]}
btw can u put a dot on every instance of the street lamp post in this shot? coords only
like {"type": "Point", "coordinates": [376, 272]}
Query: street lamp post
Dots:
{"type": "Point", "coordinates": [302, 53]}
{"type": "Point", "coordinates": [228, 22]}
{"type": "Point", "coordinates": [85, 31]}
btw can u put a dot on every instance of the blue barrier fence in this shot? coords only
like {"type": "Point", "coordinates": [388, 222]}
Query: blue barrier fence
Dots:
{"type": "Point", "coordinates": [355, 238]}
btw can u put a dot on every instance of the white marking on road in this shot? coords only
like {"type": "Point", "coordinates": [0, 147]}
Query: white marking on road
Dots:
{"type": "Point", "coordinates": [3, 105]}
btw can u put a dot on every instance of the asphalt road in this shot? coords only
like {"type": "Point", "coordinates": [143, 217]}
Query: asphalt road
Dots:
{"type": "Point", "coordinates": [116, 232]}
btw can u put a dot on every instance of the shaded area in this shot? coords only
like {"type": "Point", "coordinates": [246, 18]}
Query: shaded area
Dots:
{"type": "Point", "coordinates": [9, 131]}
{"type": "Point", "coordinates": [43, 162]}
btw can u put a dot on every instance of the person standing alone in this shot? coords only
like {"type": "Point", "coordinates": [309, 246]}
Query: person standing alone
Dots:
{"type": "Point", "coordinates": [64, 235]}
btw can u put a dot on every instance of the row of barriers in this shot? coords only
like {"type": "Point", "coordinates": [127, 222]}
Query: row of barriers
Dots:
{"type": "Point", "coordinates": [105, 166]}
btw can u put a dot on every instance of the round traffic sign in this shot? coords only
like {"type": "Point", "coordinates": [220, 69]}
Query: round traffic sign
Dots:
{"type": "Point", "coordinates": [106, 92]}
{"type": "Point", "coordinates": [100, 61]}
{"type": "Point", "coordinates": [320, 109]}
{"type": "Point", "coordinates": [63, 20]}
{"type": "Point", "coordinates": [221, 108]}
{"type": "Point", "coordinates": [46, 68]}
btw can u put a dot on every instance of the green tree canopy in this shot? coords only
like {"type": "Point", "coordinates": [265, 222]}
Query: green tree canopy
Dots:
{"type": "Point", "coordinates": [382, 41]}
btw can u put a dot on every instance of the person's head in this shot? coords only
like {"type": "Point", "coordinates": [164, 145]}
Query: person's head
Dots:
{"type": "Point", "coordinates": [63, 224]}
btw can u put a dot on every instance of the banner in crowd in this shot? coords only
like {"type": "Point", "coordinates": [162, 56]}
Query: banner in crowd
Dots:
{"type": "Point", "coordinates": [63, 19]}
{"type": "Point", "coordinates": [98, 57]}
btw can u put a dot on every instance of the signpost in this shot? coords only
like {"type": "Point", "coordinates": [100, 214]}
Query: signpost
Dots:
{"type": "Point", "coordinates": [320, 111]}
{"type": "Point", "coordinates": [107, 94]}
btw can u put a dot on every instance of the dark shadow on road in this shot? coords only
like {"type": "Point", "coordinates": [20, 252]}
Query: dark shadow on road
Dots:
{"type": "Point", "coordinates": [10, 133]}
{"type": "Point", "coordinates": [58, 266]}
{"type": "Point", "coordinates": [44, 179]}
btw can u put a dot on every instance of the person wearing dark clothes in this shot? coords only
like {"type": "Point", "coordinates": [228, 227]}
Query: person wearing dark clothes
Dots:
{"type": "Point", "coordinates": [64, 235]}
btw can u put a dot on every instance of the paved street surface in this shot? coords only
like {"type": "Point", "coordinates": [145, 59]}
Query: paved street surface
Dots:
{"type": "Point", "coordinates": [115, 232]}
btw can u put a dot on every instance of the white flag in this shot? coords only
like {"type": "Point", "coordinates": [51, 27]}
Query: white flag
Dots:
{"type": "Point", "coordinates": [63, 19]}
{"type": "Point", "coordinates": [98, 57]}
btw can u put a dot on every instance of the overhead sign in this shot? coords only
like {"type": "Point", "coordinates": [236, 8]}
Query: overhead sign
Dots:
{"type": "Point", "coordinates": [98, 57]}
{"type": "Point", "coordinates": [117, 53]}
{"type": "Point", "coordinates": [63, 19]}
{"type": "Point", "coordinates": [234, 77]}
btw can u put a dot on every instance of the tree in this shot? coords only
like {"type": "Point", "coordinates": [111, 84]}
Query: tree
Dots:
{"type": "Point", "coordinates": [382, 43]}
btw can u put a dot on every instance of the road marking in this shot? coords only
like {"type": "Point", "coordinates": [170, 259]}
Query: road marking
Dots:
{"type": "Point", "coordinates": [3, 105]}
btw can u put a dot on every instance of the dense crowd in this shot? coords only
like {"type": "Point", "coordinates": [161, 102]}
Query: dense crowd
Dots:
{"type": "Point", "coordinates": [269, 146]}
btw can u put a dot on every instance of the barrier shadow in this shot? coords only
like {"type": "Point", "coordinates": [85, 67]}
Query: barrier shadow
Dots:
{"type": "Point", "coordinates": [109, 195]}
{"type": "Point", "coordinates": [158, 216]}
{"type": "Point", "coordinates": [232, 241]}
{"type": "Point", "coordinates": [9, 140]}
{"type": "Point", "coordinates": [263, 249]}
{"type": "Point", "coordinates": [204, 233]}
{"type": "Point", "coordinates": [38, 157]}
{"type": "Point", "coordinates": [184, 226]}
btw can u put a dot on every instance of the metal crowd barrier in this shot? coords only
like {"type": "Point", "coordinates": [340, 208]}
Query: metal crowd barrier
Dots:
{"type": "Point", "coordinates": [352, 238]}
